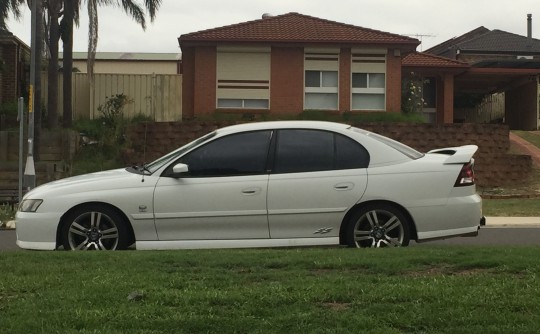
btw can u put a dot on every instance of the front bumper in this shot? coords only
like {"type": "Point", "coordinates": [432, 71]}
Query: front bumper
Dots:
{"type": "Point", "coordinates": [36, 230]}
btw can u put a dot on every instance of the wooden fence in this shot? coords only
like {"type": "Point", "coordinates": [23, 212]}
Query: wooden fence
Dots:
{"type": "Point", "coordinates": [490, 110]}
{"type": "Point", "coordinates": [158, 96]}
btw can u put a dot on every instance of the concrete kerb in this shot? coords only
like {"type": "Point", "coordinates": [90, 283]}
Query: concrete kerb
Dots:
{"type": "Point", "coordinates": [498, 222]}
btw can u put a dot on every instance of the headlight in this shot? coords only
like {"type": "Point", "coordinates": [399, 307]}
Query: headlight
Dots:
{"type": "Point", "coordinates": [30, 205]}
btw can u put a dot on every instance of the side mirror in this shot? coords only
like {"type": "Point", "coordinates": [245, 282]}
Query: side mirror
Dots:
{"type": "Point", "coordinates": [180, 168]}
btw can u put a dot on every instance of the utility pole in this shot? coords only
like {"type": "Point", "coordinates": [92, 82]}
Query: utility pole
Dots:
{"type": "Point", "coordinates": [30, 170]}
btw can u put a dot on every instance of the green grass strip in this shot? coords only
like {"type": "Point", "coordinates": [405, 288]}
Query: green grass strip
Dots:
{"type": "Point", "coordinates": [306, 290]}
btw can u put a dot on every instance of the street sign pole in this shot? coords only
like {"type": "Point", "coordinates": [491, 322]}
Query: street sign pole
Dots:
{"type": "Point", "coordinates": [20, 118]}
{"type": "Point", "coordinates": [30, 171]}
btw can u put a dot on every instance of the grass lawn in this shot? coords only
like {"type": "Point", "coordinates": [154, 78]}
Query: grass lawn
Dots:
{"type": "Point", "coordinates": [529, 136]}
{"type": "Point", "coordinates": [513, 207]}
{"type": "Point", "coordinates": [307, 290]}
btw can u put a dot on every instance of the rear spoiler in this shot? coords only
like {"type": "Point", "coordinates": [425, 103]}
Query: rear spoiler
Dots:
{"type": "Point", "coordinates": [460, 154]}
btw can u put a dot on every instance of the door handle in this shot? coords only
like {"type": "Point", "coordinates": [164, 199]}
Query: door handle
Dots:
{"type": "Point", "coordinates": [251, 191]}
{"type": "Point", "coordinates": [344, 186]}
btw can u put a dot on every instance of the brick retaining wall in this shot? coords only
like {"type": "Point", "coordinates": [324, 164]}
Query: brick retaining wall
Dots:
{"type": "Point", "coordinates": [494, 167]}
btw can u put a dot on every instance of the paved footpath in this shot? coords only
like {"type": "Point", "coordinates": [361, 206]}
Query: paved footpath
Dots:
{"type": "Point", "coordinates": [512, 222]}
{"type": "Point", "coordinates": [527, 148]}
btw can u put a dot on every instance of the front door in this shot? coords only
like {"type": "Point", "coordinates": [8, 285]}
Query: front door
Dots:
{"type": "Point", "coordinates": [222, 196]}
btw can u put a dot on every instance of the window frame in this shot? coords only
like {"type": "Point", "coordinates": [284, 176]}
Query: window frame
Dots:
{"type": "Point", "coordinates": [369, 62]}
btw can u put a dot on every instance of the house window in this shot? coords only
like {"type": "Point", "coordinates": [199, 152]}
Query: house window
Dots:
{"type": "Point", "coordinates": [368, 91]}
{"type": "Point", "coordinates": [243, 78]}
{"type": "Point", "coordinates": [368, 80]}
{"type": "Point", "coordinates": [321, 89]}
{"type": "Point", "coordinates": [321, 78]}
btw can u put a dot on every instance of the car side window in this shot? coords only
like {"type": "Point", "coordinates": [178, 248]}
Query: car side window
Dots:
{"type": "Point", "coordinates": [237, 154]}
{"type": "Point", "coordinates": [350, 154]}
{"type": "Point", "coordinates": [303, 151]}
{"type": "Point", "coordinates": [314, 150]}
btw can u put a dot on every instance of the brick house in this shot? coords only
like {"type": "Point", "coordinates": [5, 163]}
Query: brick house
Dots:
{"type": "Point", "coordinates": [436, 76]}
{"type": "Point", "coordinates": [499, 62]}
{"type": "Point", "coordinates": [14, 57]}
{"type": "Point", "coordinates": [290, 63]}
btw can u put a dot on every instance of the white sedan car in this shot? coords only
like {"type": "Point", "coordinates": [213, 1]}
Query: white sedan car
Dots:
{"type": "Point", "coordinates": [292, 183]}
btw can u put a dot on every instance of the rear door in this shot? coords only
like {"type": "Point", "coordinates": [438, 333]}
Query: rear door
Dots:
{"type": "Point", "coordinates": [316, 177]}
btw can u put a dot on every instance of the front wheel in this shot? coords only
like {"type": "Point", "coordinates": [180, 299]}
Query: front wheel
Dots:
{"type": "Point", "coordinates": [94, 228]}
{"type": "Point", "coordinates": [378, 225]}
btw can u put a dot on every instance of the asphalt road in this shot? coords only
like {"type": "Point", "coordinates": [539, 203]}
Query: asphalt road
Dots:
{"type": "Point", "coordinates": [515, 236]}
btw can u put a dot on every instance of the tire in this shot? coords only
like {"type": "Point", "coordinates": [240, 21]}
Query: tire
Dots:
{"type": "Point", "coordinates": [94, 227]}
{"type": "Point", "coordinates": [378, 225]}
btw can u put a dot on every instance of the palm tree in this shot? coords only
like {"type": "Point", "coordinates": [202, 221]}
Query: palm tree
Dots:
{"type": "Point", "coordinates": [8, 7]}
{"type": "Point", "coordinates": [131, 7]}
{"type": "Point", "coordinates": [54, 12]}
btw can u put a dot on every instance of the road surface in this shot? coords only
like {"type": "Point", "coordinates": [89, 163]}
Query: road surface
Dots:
{"type": "Point", "coordinates": [488, 236]}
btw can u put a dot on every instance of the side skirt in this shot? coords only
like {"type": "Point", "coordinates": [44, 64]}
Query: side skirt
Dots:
{"type": "Point", "coordinates": [248, 243]}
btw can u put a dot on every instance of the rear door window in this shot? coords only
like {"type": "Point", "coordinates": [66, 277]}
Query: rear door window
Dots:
{"type": "Point", "coordinates": [300, 150]}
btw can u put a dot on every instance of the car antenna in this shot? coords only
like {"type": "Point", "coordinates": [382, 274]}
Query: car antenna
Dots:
{"type": "Point", "coordinates": [144, 150]}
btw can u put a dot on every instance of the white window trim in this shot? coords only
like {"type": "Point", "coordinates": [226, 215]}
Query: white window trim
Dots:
{"type": "Point", "coordinates": [243, 101]}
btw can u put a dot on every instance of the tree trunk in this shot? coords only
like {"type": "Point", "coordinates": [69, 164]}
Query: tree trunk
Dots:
{"type": "Point", "coordinates": [54, 37]}
{"type": "Point", "coordinates": [37, 88]}
{"type": "Point", "coordinates": [67, 35]}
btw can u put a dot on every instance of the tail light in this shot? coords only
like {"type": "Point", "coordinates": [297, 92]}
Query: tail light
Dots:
{"type": "Point", "coordinates": [466, 175]}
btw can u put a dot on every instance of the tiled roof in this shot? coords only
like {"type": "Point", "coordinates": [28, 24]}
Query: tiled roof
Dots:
{"type": "Point", "coordinates": [5, 34]}
{"type": "Point", "coordinates": [416, 59]}
{"type": "Point", "coordinates": [442, 48]}
{"type": "Point", "coordinates": [296, 28]}
{"type": "Point", "coordinates": [501, 41]}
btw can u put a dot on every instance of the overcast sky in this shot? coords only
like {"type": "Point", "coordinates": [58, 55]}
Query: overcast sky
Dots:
{"type": "Point", "coordinates": [436, 20]}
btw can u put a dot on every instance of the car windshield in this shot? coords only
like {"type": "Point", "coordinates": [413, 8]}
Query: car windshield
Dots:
{"type": "Point", "coordinates": [402, 148]}
{"type": "Point", "coordinates": [157, 164]}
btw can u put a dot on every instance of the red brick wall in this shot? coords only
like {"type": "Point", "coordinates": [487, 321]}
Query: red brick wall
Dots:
{"type": "Point", "coordinates": [188, 82]}
{"type": "Point", "coordinates": [493, 165]}
{"type": "Point", "coordinates": [205, 80]}
{"type": "Point", "coordinates": [287, 80]}
{"type": "Point", "coordinates": [345, 80]}
{"type": "Point", "coordinates": [393, 82]}
{"type": "Point", "coordinates": [9, 75]}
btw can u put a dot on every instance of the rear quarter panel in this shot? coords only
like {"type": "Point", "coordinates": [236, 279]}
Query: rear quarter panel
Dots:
{"type": "Point", "coordinates": [425, 188]}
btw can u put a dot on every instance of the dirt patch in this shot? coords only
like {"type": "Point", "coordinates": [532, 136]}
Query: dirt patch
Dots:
{"type": "Point", "coordinates": [447, 271]}
{"type": "Point", "coordinates": [335, 306]}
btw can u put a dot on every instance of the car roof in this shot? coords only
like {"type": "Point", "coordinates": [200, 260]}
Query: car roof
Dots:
{"type": "Point", "coordinates": [320, 125]}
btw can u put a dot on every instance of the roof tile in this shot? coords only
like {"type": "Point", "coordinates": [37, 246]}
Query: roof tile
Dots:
{"type": "Point", "coordinates": [417, 59]}
{"type": "Point", "coordinates": [501, 41]}
{"type": "Point", "coordinates": [296, 28]}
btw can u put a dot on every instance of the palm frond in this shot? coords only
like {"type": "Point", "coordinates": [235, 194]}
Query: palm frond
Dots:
{"type": "Point", "coordinates": [152, 6]}
{"type": "Point", "coordinates": [135, 11]}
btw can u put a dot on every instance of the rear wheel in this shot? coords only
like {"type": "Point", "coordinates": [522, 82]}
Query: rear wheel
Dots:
{"type": "Point", "coordinates": [378, 225]}
{"type": "Point", "coordinates": [94, 227]}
